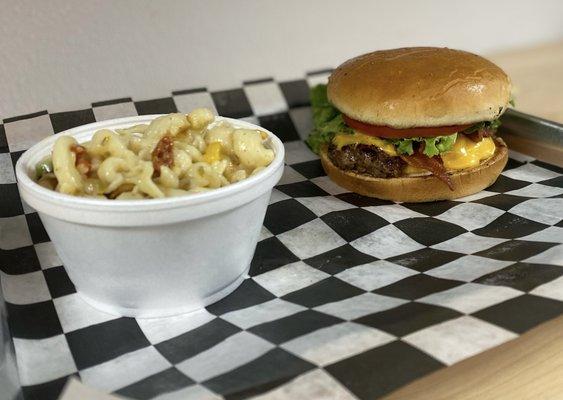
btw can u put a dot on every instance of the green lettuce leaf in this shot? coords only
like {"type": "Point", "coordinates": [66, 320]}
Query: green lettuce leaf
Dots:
{"type": "Point", "coordinates": [445, 143]}
{"type": "Point", "coordinates": [492, 125]}
{"type": "Point", "coordinates": [323, 111]}
{"type": "Point", "coordinates": [432, 146]}
{"type": "Point", "coordinates": [404, 146]}
{"type": "Point", "coordinates": [327, 120]}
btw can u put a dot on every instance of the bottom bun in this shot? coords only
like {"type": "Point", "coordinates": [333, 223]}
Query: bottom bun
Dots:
{"type": "Point", "coordinates": [417, 189]}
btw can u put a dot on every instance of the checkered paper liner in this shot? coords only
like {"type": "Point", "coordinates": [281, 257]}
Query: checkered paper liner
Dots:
{"type": "Point", "coordinates": [348, 297]}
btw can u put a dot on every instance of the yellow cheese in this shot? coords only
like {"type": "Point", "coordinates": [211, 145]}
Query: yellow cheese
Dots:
{"type": "Point", "coordinates": [341, 140]}
{"type": "Point", "coordinates": [467, 154]}
{"type": "Point", "coordinates": [213, 152]}
{"type": "Point", "coordinates": [411, 170]}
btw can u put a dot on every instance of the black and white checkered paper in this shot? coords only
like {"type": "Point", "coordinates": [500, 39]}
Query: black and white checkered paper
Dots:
{"type": "Point", "coordinates": [348, 297]}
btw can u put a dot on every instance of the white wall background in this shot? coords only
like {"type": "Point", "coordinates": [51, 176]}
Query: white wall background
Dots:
{"type": "Point", "coordinates": [62, 54]}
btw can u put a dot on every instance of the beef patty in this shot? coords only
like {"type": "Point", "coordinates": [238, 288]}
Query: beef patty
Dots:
{"type": "Point", "coordinates": [367, 160]}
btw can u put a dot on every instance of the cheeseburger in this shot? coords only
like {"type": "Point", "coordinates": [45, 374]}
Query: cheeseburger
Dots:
{"type": "Point", "coordinates": [413, 124]}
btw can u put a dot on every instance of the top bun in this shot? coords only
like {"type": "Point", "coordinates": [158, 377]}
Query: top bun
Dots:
{"type": "Point", "coordinates": [419, 87]}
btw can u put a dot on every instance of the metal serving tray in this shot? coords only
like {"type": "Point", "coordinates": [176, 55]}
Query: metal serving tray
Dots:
{"type": "Point", "coordinates": [524, 133]}
{"type": "Point", "coordinates": [532, 135]}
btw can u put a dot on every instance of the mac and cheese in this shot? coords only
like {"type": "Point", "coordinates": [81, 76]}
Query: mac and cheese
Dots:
{"type": "Point", "coordinates": [174, 155]}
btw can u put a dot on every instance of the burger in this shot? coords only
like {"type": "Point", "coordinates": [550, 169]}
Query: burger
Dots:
{"type": "Point", "coordinates": [413, 124]}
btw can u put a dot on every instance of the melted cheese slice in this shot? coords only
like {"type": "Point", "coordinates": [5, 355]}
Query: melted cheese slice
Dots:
{"type": "Point", "coordinates": [342, 140]}
{"type": "Point", "coordinates": [412, 170]}
{"type": "Point", "coordinates": [465, 153]}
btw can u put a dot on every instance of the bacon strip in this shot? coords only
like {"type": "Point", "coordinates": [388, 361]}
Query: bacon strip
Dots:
{"type": "Point", "coordinates": [163, 154]}
{"type": "Point", "coordinates": [83, 162]}
{"type": "Point", "coordinates": [433, 164]}
{"type": "Point", "coordinates": [480, 134]}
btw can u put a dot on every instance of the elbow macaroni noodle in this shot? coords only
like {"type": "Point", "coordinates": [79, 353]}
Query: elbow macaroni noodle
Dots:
{"type": "Point", "coordinates": [174, 155]}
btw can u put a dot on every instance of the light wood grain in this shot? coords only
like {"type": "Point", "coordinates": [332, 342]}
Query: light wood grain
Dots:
{"type": "Point", "coordinates": [537, 78]}
{"type": "Point", "coordinates": [530, 367]}
{"type": "Point", "coordinates": [76, 390]}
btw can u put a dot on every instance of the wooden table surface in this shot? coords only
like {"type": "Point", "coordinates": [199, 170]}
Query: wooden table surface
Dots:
{"type": "Point", "coordinates": [537, 79]}
{"type": "Point", "coordinates": [530, 367]}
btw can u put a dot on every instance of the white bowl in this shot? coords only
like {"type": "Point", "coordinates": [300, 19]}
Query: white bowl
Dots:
{"type": "Point", "coordinates": [154, 257]}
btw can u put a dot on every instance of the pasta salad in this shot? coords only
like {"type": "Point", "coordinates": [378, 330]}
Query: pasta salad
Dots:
{"type": "Point", "coordinates": [174, 155]}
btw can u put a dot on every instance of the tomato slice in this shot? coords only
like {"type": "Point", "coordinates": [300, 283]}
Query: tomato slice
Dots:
{"type": "Point", "coordinates": [387, 132]}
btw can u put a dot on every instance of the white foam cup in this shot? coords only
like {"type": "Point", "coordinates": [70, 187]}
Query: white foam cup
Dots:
{"type": "Point", "coordinates": [153, 257]}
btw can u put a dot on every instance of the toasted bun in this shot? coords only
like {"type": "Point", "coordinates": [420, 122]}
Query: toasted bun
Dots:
{"type": "Point", "coordinates": [417, 189]}
{"type": "Point", "coordinates": [419, 87]}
